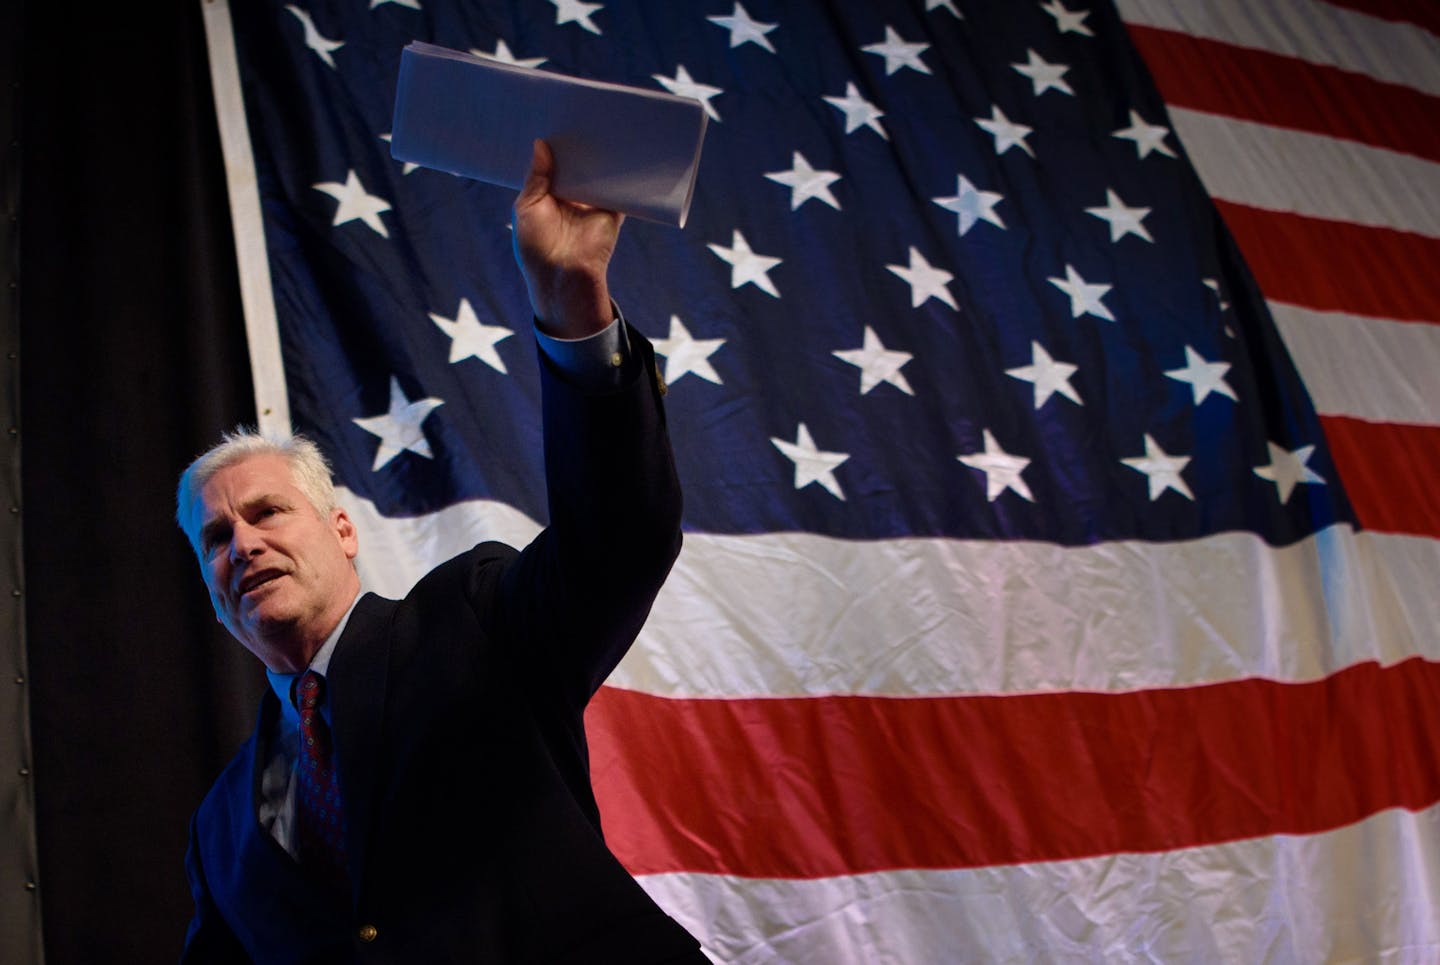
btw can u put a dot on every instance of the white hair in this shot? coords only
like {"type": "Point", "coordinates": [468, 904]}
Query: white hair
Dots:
{"type": "Point", "coordinates": [309, 469]}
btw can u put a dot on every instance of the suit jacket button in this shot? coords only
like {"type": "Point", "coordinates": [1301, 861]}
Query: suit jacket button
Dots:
{"type": "Point", "coordinates": [367, 933]}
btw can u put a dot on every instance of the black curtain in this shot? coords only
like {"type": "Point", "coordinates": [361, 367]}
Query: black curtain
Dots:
{"type": "Point", "coordinates": [132, 360]}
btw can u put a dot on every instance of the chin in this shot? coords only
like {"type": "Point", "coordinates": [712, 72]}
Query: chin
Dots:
{"type": "Point", "coordinates": [268, 623]}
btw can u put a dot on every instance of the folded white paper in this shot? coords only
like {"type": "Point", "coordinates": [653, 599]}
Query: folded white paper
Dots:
{"type": "Point", "coordinates": [623, 148]}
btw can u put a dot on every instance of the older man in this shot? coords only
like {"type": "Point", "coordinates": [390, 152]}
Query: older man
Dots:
{"type": "Point", "coordinates": [417, 787]}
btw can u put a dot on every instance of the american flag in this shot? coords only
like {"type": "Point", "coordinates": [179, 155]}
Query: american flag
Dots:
{"type": "Point", "coordinates": [1034, 605]}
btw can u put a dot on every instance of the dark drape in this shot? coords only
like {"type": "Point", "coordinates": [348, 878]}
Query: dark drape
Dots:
{"type": "Point", "coordinates": [132, 360]}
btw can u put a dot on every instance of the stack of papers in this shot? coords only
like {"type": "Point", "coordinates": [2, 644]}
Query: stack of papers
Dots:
{"type": "Point", "coordinates": [624, 148]}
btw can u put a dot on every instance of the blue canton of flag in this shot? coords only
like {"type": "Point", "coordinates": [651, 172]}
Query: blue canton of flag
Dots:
{"type": "Point", "coordinates": [943, 276]}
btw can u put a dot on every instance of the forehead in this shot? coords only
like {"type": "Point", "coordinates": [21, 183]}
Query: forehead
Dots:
{"type": "Point", "coordinates": [245, 481]}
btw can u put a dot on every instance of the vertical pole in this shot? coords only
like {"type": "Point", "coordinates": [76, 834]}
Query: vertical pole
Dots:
{"type": "Point", "coordinates": [21, 940]}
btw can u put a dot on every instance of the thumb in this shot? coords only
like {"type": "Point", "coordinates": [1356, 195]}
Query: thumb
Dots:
{"type": "Point", "coordinates": [537, 179]}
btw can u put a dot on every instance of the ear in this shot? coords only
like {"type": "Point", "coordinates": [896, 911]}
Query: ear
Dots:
{"type": "Point", "coordinates": [345, 531]}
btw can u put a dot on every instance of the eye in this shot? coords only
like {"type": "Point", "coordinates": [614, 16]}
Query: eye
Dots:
{"type": "Point", "coordinates": [212, 539]}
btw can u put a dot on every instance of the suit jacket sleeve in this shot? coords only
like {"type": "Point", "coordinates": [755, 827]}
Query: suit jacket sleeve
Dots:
{"type": "Point", "coordinates": [576, 597]}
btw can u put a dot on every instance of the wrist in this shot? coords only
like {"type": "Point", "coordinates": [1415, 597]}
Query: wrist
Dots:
{"type": "Point", "coordinates": [575, 309]}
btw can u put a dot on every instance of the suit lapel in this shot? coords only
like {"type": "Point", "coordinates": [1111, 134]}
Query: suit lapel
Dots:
{"type": "Point", "coordinates": [358, 674]}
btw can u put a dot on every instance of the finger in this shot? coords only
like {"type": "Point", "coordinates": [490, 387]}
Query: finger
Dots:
{"type": "Point", "coordinates": [538, 178]}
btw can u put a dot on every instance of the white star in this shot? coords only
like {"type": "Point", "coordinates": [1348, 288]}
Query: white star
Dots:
{"type": "Point", "coordinates": [355, 204]}
{"type": "Point", "coordinates": [412, 4]}
{"type": "Point", "coordinates": [1068, 21]}
{"type": "Point", "coordinates": [1147, 137]}
{"type": "Point", "coordinates": [1287, 468]}
{"type": "Point", "coordinates": [1002, 470]}
{"type": "Point", "coordinates": [323, 46]}
{"type": "Point", "coordinates": [682, 85]}
{"type": "Point", "coordinates": [1007, 133]}
{"type": "Point", "coordinates": [409, 165]}
{"type": "Point", "coordinates": [811, 464]}
{"type": "Point", "coordinates": [1214, 285]}
{"type": "Point", "coordinates": [575, 11]}
{"type": "Point", "coordinates": [399, 429]}
{"type": "Point", "coordinates": [1044, 76]}
{"type": "Point", "coordinates": [897, 53]}
{"type": "Point", "coordinates": [972, 204]}
{"type": "Point", "coordinates": [925, 281]}
{"type": "Point", "coordinates": [858, 111]}
{"type": "Point", "coordinates": [503, 55]}
{"type": "Point", "coordinates": [1047, 375]}
{"type": "Point", "coordinates": [805, 183]}
{"type": "Point", "coordinates": [746, 267]}
{"type": "Point", "coordinates": [685, 355]}
{"type": "Point", "coordinates": [943, 5]}
{"type": "Point", "coordinates": [1084, 297]}
{"type": "Point", "coordinates": [470, 339]}
{"type": "Point", "coordinates": [877, 363]}
{"type": "Point", "coordinates": [744, 30]}
{"type": "Point", "coordinates": [1123, 221]}
{"type": "Point", "coordinates": [1204, 377]}
{"type": "Point", "coordinates": [1162, 469]}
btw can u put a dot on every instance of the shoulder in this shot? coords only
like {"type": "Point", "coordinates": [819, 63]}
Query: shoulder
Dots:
{"type": "Point", "coordinates": [470, 573]}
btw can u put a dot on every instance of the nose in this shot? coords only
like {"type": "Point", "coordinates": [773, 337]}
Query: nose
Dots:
{"type": "Point", "coordinates": [245, 542]}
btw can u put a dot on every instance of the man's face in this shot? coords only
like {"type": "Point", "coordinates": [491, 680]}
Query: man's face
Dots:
{"type": "Point", "coordinates": [279, 575]}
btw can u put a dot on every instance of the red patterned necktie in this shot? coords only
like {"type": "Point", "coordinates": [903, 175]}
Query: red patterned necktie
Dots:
{"type": "Point", "coordinates": [320, 821]}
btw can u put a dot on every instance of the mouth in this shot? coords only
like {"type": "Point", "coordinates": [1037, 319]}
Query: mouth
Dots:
{"type": "Point", "coordinates": [255, 581]}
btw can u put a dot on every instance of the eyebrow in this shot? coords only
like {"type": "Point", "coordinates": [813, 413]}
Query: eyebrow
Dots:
{"type": "Point", "coordinates": [211, 526]}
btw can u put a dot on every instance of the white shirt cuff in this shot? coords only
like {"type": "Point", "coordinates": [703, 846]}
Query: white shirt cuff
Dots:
{"type": "Point", "coordinates": [595, 361]}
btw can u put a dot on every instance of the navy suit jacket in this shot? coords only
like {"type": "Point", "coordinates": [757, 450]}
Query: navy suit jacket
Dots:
{"type": "Point", "coordinates": [471, 827]}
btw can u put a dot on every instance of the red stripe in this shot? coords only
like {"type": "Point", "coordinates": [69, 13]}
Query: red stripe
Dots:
{"type": "Point", "coordinates": [1421, 13]}
{"type": "Point", "coordinates": [1338, 266]}
{"type": "Point", "coordinates": [1269, 88]}
{"type": "Point", "coordinates": [1389, 471]}
{"type": "Point", "coordinates": [814, 787]}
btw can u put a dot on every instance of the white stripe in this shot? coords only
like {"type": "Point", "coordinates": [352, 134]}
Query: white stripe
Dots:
{"type": "Point", "coordinates": [799, 614]}
{"type": "Point", "coordinates": [1324, 177]}
{"type": "Point", "coordinates": [272, 402]}
{"type": "Point", "coordinates": [1368, 368]}
{"type": "Point", "coordinates": [1369, 892]}
{"type": "Point", "coordinates": [1320, 33]}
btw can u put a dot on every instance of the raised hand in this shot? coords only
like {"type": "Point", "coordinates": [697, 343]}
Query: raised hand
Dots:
{"type": "Point", "coordinates": [563, 249]}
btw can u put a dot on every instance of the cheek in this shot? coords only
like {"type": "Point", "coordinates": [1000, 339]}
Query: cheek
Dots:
{"type": "Point", "coordinates": [215, 581]}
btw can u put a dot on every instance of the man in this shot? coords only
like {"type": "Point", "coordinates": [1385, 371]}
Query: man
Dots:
{"type": "Point", "coordinates": [417, 787]}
